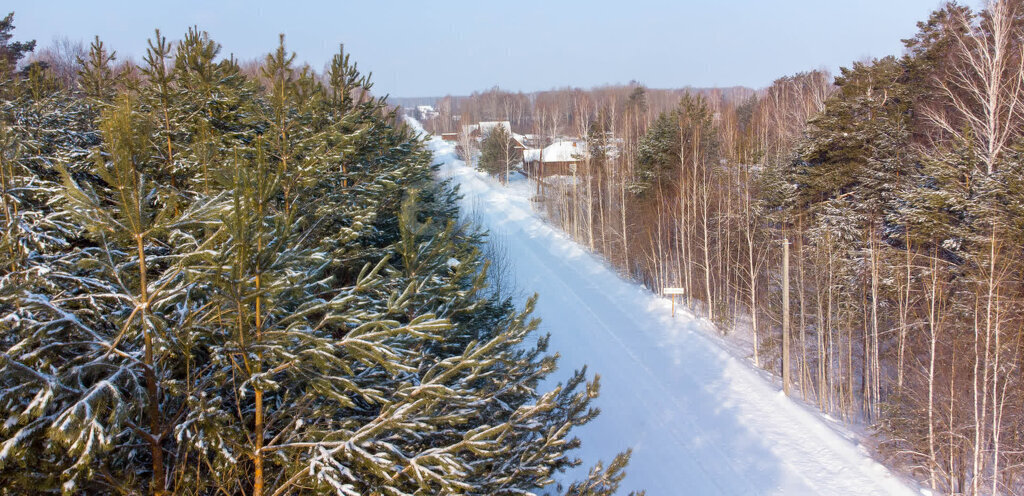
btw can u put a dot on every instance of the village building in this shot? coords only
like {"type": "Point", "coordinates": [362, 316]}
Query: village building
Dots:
{"type": "Point", "coordinates": [426, 112]}
{"type": "Point", "coordinates": [562, 158]}
{"type": "Point", "coordinates": [518, 144]}
{"type": "Point", "coordinates": [478, 132]}
{"type": "Point", "coordinates": [482, 129]}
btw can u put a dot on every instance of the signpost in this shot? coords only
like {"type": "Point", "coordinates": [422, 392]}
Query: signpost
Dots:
{"type": "Point", "coordinates": [673, 292]}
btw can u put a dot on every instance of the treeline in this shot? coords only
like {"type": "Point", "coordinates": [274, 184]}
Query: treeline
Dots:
{"type": "Point", "coordinates": [866, 231]}
{"type": "Point", "coordinates": [563, 112]}
{"type": "Point", "coordinates": [221, 283]}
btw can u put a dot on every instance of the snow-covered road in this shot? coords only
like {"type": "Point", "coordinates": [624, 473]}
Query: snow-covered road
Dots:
{"type": "Point", "coordinates": [699, 419]}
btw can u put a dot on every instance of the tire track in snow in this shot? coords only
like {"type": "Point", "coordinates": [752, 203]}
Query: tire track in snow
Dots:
{"type": "Point", "coordinates": [750, 487]}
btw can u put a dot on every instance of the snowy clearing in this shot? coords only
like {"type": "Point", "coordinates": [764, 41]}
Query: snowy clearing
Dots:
{"type": "Point", "coordinates": [699, 419]}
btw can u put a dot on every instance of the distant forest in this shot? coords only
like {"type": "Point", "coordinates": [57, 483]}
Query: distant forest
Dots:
{"type": "Point", "coordinates": [863, 232]}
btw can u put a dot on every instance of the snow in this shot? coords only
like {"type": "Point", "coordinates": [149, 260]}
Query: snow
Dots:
{"type": "Point", "coordinates": [700, 419]}
{"type": "Point", "coordinates": [486, 127]}
{"type": "Point", "coordinates": [559, 151]}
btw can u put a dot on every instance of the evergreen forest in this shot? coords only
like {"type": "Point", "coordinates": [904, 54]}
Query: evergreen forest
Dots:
{"type": "Point", "coordinates": [242, 278]}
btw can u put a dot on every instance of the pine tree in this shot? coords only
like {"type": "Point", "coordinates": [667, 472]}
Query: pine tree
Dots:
{"type": "Point", "coordinates": [496, 152]}
{"type": "Point", "coordinates": [11, 52]}
{"type": "Point", "coordinates": [222, 288]}
{"type": "Point", "coordinates": [603, 481]}
{"type": "Point", "coordinates": [96, 78]}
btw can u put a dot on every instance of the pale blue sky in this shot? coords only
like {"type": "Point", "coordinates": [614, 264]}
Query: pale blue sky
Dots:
{"type": "Point", "coordinates": [432, 48]}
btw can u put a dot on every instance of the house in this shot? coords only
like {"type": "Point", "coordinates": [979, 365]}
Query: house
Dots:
{"type": "Point", "coordinates": [562, 158]}
{"type": "Point", "coordinates": [426, 112]}
{"type": "Point", "coordinates": [532, 140]}
{"type": "Point", "coordinates": [518, 146]}
{"type": "Point", "coordinates": [480, 131]}
{"type": "Point", "coordinates": [484, 128]}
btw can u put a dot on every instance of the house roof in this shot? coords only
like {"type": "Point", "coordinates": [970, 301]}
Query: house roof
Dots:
{"type": "Point", "coordinates": [486, 127]}
{"type": "Point", "coordinates": [560, 151]}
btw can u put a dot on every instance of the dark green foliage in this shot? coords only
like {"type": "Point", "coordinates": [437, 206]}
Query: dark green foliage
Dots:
{"type": "Point", "coordinates": [11, 52]}
{"type": "Point", "coordinates": [677, 144]}
{"type": "Point", "coordinates": [859, 145]}
{"type": "Point", "coordinates": [496, 152]}
{"type": "Point", "coordinates": [97, 76]}
{"type": "Point", "coordinates": [220, 285]}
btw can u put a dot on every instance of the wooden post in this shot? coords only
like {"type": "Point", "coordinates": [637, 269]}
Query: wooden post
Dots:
{"type": "Point", "coordinates": [785, 317]}
{"type": "Point", "coordinates": [672, 292]}
{"type": "Point", "coordinates": [540, 169]}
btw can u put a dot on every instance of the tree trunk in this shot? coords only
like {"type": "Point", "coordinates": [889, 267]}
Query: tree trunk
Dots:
{"type": "Point", "coordinates": [785, 317]}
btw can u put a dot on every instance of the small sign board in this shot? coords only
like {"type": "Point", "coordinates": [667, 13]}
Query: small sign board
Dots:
{"type": "Point", "coordinates": [673, 292]}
